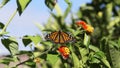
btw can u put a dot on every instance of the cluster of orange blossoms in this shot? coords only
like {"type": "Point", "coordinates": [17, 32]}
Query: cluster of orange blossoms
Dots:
{"type": "Point", "coordinates": [64, 51]}
{"type": "Point", "coordinates": [85, 26]}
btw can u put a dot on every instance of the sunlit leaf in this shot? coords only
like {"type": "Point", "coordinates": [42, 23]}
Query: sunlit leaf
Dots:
{"type": "Point", "coordinates": [105, 61]}
{"type": "Point", "coordinates": [4, 2]}
{"type": "Point", "coordinates": [3, 33]}
{"type": "Point", "coordinates": [28, 39]}
{"type": "Point", "coordinates": [52, 58]}
{"type": "Point", "coordinates": [86, 40]}
{"type": "Point", "coordinates": [41, 27]}
{"type": "Point", "coordinates": [94, 48]}
{"type": "Point", "coordinates": [22, 4]}
{"type": "Point", "coordinates": [68, 2]}
{"type": "Point", "coordinates": [35, 39]}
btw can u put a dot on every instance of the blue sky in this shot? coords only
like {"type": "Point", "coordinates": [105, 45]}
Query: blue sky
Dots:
{"type": "Point", "coordinates": [36, 12]}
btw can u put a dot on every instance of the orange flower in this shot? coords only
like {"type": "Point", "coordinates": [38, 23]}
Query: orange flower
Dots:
{"type": "Point", "coordinates": [64, 51]}
{"type": "Point", "coordinates": [81, 23]}
{"type": "Point", "coordinates": [37, 60]}
{"type": "Point", "coordinates": [85, 26]}
{"type": "Point", "coordinates": [89, 29]}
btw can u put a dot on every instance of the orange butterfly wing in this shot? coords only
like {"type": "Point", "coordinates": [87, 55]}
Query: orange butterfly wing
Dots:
{"type": "Point", "coordinates": [60, 37]}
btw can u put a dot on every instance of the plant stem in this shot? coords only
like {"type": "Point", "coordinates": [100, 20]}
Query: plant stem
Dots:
{"type": "Point", "coordinates": [10, 19]}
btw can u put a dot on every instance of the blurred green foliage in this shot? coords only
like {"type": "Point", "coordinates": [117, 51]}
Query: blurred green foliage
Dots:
{"type": "Point", "coordinates": [100, 49]}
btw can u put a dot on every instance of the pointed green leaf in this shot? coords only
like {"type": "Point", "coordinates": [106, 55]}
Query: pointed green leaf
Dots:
{"type": "Point", "coordinates": [52, 58]}
{"type": "Point", "coordinates": [68, 8]}
{"type": "Point", "coordinates": [30, 63]}
{"type": "Point", "coordinates": [86, 40]}
{"type": "Point", "coordinates": [26, 40]}
{"type": "Point", "coordinates": [50, 3]}
{"type": "Point", "coordinates": [94, 48]}
{"type": "Point", "coordinates": [35, 39]}
{"type": "Point", "coordinates": [41, 27]}
{"type": "Point", "coordinates": [11, 44]}
{"type": "Point", "coordinates": [4, 2]}
{"type": "Point", "coordinates": [1, 25]}
{"type": "Point", "coordinates": [75, 60]}
{"type": "Point", "coordinates": [94, 60]}
{"type": "Point", "coordinates": [101, 56]}
{"type": "Point", "coordinates": [106, 62]}
{"type": "Point", "coordinates": [67, 11]}
{"type": "Point", "coordinates": [3, 33]}
{"type": "Point", "coordinates": [68, 2]}
{"type": "Point", "coordinates": [22, 4]}
{"type": "Point", "coordinates": [6, 60]}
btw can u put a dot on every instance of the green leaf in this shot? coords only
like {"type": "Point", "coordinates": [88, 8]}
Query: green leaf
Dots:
{"type": "Point", "coordinates": [22, 4]}
{"type": "Point", "coordinates": [75, 58]}
{"type": "Point", "coordinates": [114, 44]}
{"type": "Point", "coordinates": [112, 23]}
{"type": "Point", "coordinates": [95, 49]}
{"type": "Point", "coordinates": [115, 54]}
{"type": "Point", "coordinates": [11, 44]}
{"type": "Point", "coordinates": [67, 11]}
{"type": "Point", "coordinates": [6, 61]}
{"type": "Point", "coordinates": [52, 58]}
{"type": "Point", "coordinates": [26, 40]}
{"type": "Point", "coordinates": [3, 33]}
{"type": "Point", "coordinates": [50, 3]}
{"type": "Point", "coordinates": [68, 8]}
{"type": "Point", "coordinates": [119, 42]}
{"type": "Point", "coordinates": [4, 2]}
{"type": "Point", "coordinates": [94, 60]}
{"type": "Point", "coordinates": [41, 27]}
{"type": "Point", "coordinates": [30, 63]}
{"type": "Point", "coordinates": [106, 62]}
{"type": "Point", "coordinates": [35, 39]}
{"type": "Point", "coordinates": [68, 2]}
{"type": "Point", "coordinates": [86, 40]}
{"type": "Point", "coordinates": [99, 55]}
{"type": "Point", "coordinates": [117, 2]}
{"type": "Point", "coordinates": [1, 25]}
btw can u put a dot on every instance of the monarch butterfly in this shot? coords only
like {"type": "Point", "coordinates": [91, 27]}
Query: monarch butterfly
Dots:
{"type": "Point", "coordinates": [59, 37]}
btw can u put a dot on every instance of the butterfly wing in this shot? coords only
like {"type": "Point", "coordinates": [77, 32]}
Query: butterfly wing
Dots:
{"type": "Point", "coordinates": [66, 37]}
{"type": "Point", "coordinates": [59, 37]}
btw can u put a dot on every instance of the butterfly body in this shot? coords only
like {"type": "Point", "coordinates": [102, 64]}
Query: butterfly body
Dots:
{"type": "Point", "coordinates": [59, 37]}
